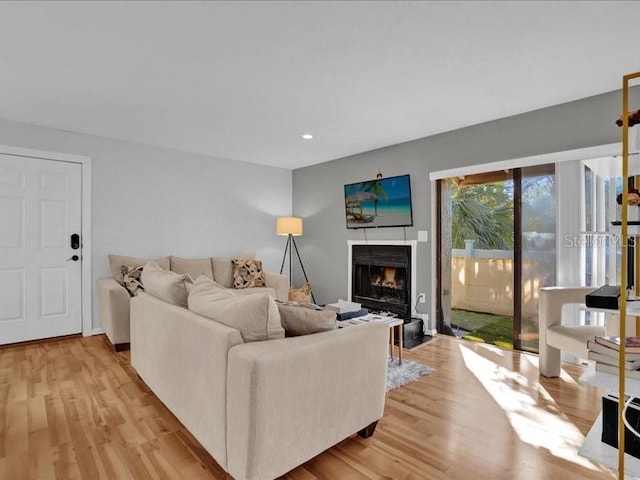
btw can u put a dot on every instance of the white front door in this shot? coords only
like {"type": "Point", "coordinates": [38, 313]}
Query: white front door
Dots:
{"type": "Point", "coordinates": [40, 266]}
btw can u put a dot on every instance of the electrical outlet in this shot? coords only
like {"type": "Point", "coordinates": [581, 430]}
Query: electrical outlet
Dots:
{"type": "Point", "coordinates": [422, 298]}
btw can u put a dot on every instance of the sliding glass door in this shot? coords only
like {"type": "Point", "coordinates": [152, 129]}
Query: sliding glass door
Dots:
{"type": "Point", "coordinates": [496, 244]}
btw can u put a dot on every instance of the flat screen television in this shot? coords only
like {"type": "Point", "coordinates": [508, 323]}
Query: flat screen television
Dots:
{"type": "Point", "coordinates": [382, 202]}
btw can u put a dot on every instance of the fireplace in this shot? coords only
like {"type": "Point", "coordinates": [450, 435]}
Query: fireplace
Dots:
{"type": "Point", "coordinates": [381, 277]}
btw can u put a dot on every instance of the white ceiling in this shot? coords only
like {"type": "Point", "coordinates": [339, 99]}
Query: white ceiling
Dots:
{"type": "Point", "coordinates": [244, 80]}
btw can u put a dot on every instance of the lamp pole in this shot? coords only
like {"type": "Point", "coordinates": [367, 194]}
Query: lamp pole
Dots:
{"type": "Point", "coordinates": [291, 226]}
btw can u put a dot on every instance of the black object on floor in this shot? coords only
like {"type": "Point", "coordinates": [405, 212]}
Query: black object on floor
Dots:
{"type": "Point", "coordinates": [414, 342]}
{"type": "Point", "coordinates": [610, 425]}
{"type": "Point", "coordinates": [413, 333]}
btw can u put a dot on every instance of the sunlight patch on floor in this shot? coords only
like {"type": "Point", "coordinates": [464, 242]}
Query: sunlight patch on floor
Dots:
{"type": "Point", "coordinates": [531, 422]}
{"type": "Point", "coordinates": [535, 361]}
{"type": "Point", "coordinates": [492, 348]}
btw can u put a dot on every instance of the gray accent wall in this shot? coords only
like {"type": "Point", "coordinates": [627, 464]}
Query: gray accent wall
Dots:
{"type": "Point", "coordinates": [150, 202]}
{"type": "Point", "coordinates": [318, 190]}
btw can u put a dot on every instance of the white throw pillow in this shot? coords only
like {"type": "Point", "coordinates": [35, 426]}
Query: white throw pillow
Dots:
{"type": "Point", "coordinates": [255, 316]}
{"type": "Point", "coordinates": [168, 286]}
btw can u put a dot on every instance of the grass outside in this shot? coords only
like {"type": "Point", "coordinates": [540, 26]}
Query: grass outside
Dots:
{"type": "Point", "coordinates": [484, 327]}
{"type": "Point", "coordinates": [494, 329]}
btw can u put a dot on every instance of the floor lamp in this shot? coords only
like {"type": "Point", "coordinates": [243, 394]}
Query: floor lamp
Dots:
{"type": "Point", "coordinates": [291, 227]}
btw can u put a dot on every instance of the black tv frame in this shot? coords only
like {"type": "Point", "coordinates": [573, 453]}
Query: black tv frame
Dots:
{"type": "Point", "coordinates": [364, 225]}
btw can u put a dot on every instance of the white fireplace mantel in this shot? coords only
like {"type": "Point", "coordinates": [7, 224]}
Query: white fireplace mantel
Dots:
{"type": "Point", "coordinates": [414, 252]}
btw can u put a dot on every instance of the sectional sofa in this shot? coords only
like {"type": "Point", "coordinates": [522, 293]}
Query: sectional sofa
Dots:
{"type": "Point", "coordinates": [260, 403]}
{"type": "Point", "coordinates": [113, 298]}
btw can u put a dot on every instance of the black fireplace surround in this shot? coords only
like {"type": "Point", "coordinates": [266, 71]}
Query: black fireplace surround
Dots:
{"type": "Point", "coordinates": [381, 278]}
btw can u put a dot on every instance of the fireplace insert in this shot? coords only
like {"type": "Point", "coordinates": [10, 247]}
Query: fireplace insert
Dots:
{"type": "Point", "coordinates": [382, 278]}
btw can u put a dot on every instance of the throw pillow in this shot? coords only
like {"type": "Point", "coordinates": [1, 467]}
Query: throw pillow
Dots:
{"type": "Point", "coordinates": [168, 286]}
{"type": "Point", "coordinates": [247, 273]}
{"type": "Point", "coordinates": [256, 317]}
{"type": "Point", "coordinates": [302, 294]}
{"type": "Point", "coordinates": [213, 289]}
{"type": "Point", "coordinates": [300, 320]}
{"type": "Point", "coordinates": [117, 261]}
{"type": "Point", "coordinates": [131, 277]}
{"type": "Point", "coordinates": [194, 267]}
{"type": "Point", "coordinates": [223, 268]}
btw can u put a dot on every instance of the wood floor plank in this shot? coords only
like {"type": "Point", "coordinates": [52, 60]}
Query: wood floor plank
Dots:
{"type": "Point", "coordinates": [73, 409]}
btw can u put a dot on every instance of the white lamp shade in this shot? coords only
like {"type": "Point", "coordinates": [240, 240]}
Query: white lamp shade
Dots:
{"type": "Point", "coordinates": [289, 226]}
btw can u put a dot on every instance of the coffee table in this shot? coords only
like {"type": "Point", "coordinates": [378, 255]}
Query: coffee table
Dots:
{"type": "Point", "coordinates": [392, 322]}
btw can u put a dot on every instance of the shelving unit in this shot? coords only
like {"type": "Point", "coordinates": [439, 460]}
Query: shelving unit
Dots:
{"type": "Point", "coordinates": [632, 311]}
{"type": "Point", "coordinates": [608, 381]}
{"type": "Point", "coordinates": [593, 447]}
{"type": "Point", "coordinates": [632, 230]}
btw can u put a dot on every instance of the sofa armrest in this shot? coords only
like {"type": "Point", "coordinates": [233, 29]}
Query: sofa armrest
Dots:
{"type": "Point", "coordinates": [550, 303]}
{"type": "Point", "coordinates": [182, 357]}
{"type": "Point", "coordinates": [113, 310]}
{"type": "Point", "coordinates": [552, 299]}
{"type": "Point", "coordinates": [290, 399]}
{"type": "Point", "coordinates": [280, 283]}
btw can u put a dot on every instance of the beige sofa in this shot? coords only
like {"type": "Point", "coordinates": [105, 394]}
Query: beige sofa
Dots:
{"type": "Point", "coordinates": [113, 298]}
{"type": "Point", "coordinates": [260, 408]}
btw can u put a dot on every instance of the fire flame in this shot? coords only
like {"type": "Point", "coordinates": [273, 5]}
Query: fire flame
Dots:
{"type": "Point", "coordinates": [389, 277]}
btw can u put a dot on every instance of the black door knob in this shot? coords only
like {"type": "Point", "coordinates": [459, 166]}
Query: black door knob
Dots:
{"type": "Point", "coordinates": [75, 258]}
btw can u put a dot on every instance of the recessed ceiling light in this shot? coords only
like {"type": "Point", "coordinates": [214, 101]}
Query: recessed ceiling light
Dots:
{"type": "Point", "coordinates": [307, 136]}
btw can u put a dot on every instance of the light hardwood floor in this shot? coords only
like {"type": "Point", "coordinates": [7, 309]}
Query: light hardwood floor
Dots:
{"type": "Point", "coordinates": [73, 409]}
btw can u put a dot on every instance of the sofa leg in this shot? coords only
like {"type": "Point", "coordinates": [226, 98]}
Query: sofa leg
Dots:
{"type": "Point", "coordinates": [367, 431]}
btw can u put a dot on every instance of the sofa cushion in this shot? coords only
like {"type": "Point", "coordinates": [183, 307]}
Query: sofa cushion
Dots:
{"type": "Point", "coordinates": [247, 273]}
{"type": "Point", "coordinates": [223, 269]}
{"type": "Point", "coordinates": [194, 267]}
{"type": "Point", "coordinates": [165, 285]}
{"type": "Point", "coordinates": [117, 261]}
{"type": "Point", "coordinates": [300, 320]}
{"type": "Point", "coordinates": [252, 290]}
{"type": "Point", "coordinates": [131, 278]}
{"type": "Point", "coordinates": [255, 316]}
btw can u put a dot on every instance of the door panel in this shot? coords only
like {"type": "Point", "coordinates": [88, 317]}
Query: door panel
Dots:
{"type": "Point", "coordinates": [538, 246]}
{"type": "Point", "coordinates": [12, 177]}
{"type": "Point", "coordinates": [54, 181]}
{"type": "Point", "coordinates": [11, 223]}
{"type": "Point", "coordinates": [40, 208]}
{"type": "Point", "coordinates": [54, 291]}
{"type": "Point", "coordinates": [54, 224]}
{"type": "Point", "coordinates": [12, 295]}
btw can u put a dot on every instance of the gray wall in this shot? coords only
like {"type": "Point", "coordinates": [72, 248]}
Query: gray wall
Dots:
{"type": "Point", "coordinates": [150, 201]}
{"type": "Point", "coordinates": [318, 190]}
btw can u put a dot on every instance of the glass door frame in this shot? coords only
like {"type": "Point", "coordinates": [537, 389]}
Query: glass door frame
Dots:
{"type": "Point", "coordinates": [518, 280]}
{"type": "Point", "coordinates": [435, 176]}
{"type": "Point", "coordinates": [517, 259]}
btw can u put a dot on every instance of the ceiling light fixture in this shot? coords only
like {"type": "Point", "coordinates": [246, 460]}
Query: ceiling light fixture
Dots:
{"type": "Point", "coordinates": [307, 136]}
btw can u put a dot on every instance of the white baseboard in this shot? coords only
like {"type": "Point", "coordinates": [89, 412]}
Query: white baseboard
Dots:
{"type": "Point", "coordinates": [97, 331]}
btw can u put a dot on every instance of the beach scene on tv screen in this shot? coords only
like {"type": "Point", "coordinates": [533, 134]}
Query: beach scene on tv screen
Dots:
{"type": "Point", "coordinates": [384, 202]}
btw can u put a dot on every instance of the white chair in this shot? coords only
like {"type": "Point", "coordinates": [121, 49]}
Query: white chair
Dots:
{"type": "Point", "coordinates": [556, 337]}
